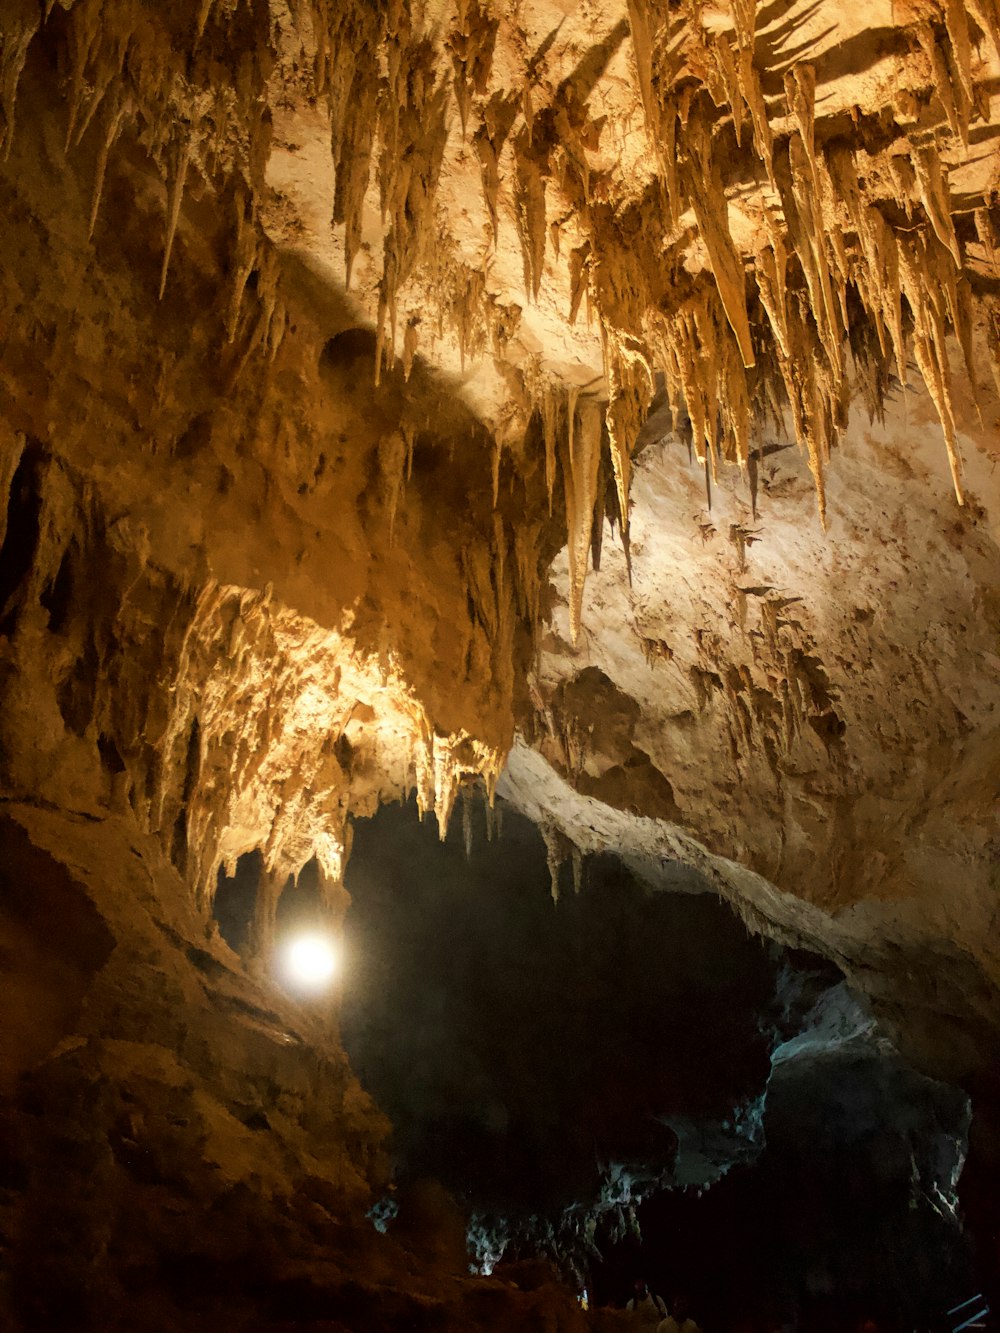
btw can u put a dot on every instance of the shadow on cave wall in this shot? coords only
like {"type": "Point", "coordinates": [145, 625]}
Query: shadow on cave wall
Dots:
{"type": "Point", "coordinates": [537, 1058]}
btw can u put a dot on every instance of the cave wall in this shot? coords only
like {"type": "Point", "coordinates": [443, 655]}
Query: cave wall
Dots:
{"type": "Point", "coordinates": [214, 445]}
{"type": "Point", "coordinates": [203, 531]}
{"type": "Point", "coordinates": [161, 1112]}
{"type": "Point", "coordinates": [272, 549]}
{"type": "Point", "coordinates": [213, 582]}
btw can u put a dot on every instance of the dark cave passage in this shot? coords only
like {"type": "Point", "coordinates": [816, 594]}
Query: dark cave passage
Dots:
{"type": "Point", "coordinates": [626, 1082]}
{"type": "Point", "coordinates": [520, 1046]}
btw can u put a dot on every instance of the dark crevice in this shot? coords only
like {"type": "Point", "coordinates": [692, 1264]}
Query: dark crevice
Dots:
{"type": "Point", "coordinates": [110, 757]}
{"type": "Point", "coordinates": [192, 766]}
{"type": "Point", "coordinates": [77, 692]}
{"type": "Point", "coordinates": [57, 598]}
{"type": "Point", "coordinates": [178, 842]}
{"type": "Point", "coordinates": [20, 543]}
{"type": "Point", "coordinates": [345, 350]}
{"type": "Point", "coordinates": [236, 899]}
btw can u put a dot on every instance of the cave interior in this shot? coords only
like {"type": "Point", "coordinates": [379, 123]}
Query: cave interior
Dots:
{"type": "Point", "coordinates": [499, 665]}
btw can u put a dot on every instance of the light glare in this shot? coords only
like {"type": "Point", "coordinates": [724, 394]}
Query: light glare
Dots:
{"type": "Point", "coordinates": [310, 961]}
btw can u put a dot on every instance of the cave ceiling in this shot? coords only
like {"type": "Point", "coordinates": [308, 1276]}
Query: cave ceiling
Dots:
{"type": "Point", "coordinates": [337, 333]}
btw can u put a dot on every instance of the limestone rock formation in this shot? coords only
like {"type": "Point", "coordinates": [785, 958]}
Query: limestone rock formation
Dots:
{"type": "Point", "coordinates": [324, 326]}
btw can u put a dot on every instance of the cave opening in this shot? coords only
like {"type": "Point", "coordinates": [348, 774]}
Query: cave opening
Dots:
{"type": "Point", "coordinates": [283, 922]}
{"type": "Point", "coordinates": [627, 1082]}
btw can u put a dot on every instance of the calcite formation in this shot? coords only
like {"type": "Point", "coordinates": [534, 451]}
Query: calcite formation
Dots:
{"type": "Point", "coordinates": [327, 323]}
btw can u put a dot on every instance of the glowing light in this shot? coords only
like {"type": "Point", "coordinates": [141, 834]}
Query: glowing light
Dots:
{"type": "Point", "coordinates": [310, 961]}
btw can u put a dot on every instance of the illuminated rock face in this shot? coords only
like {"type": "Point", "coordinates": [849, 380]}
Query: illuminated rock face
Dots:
{"type": "Point", "coordinates": [273, 548]}
{"type": "Point", "coordinates": [818, 709]}
{"type": "Point", "coordinates": [345, 580]}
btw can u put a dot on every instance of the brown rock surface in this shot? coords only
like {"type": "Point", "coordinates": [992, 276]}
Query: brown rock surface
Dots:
{"type": "Point", "coordinates": [324, 324]}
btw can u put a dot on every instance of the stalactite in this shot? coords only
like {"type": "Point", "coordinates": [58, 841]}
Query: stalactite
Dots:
{"type": "Point", "coordinates": [580, 462]}
{"type": "Point", "coordinates": [950, 91]}
{"type": "Point", "coordinates": [16, 33]}
{"type": "Point", "coordinates": [175, 195]}
{"type": "Point", "coordinates": [630, 391]}
{"type": "Point", "coordinates": [578, 269]}
{"type": "Point", "coordinates": [550, 431]}
{"type": "Point", "coordinates": [529, 204]}
{"type": "Point", "coordinates": [467, 823]}
{"type": "Point", "coordinates": [354, 171]}
{"type": "Point", "coordinates": [471, 43]}
{"type": "Point", "coordinates": [770, 270]}
{"type": "Point", "coordinates": [642, 50]}
{"type": "Point", "coordinates": [712, 211]}
{"type": "Point", "coordinates": [723, 81]}
{"type": "Point", "coordinates": [925, 285]}
{"type": "Point", "coordinates": [799, 186]}
{"type": "Point", "coordinates": [347, 38]}
{"type": "Point", "coordinates": [877, 270]}
{"type": "Point", "coordinates": [204, 12]}
{"type": "Point", "coordinates": [935, 198]}
{"type": "Point", "coordinates": [111, 128]}
{"type": "Point", "coordinates": [410, 344]}
{"type": "Point", "coordinates": [497, 119]}
{"type": "Point", "coordinates": [553, 857]}
{"type": "Point", "coordinates": [412, 111]}
{"type": "Point", "coordinates": [987, 15]}
{"type": "Point", "coordinates": [453, 757]}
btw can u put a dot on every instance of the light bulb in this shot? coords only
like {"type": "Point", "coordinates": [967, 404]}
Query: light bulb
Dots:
{"type": "Point", "coordinates": [310, 960]}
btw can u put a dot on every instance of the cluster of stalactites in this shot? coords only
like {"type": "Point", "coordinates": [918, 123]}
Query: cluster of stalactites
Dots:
{"type": "Point", "coordinates": [250, 727]}
{"type": "Point", "coordinates": [386, 82]}
{"type": "Point", "coordinates": [158, 82]}
{"type": "Point", "coordinates": [558, 850]}
{"type": "Point", "coordinates": [836, 221]}
{"type": "Point", "coordinates": [263, 747]}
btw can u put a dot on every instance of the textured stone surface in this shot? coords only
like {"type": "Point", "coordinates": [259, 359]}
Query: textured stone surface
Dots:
{"type": "Point", "coordinates": [821, 709]}
{"type": "Point", "coordinates": [273, 548]}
